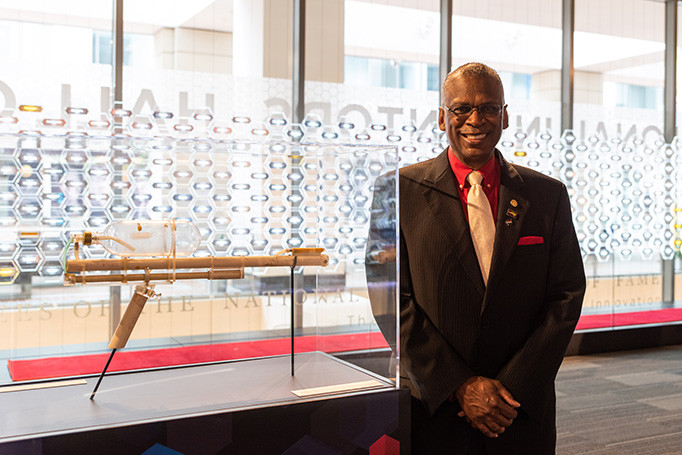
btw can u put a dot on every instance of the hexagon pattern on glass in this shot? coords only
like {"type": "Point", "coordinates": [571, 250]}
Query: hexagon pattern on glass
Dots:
{"type": "Point", "coordinates": [254, 187]}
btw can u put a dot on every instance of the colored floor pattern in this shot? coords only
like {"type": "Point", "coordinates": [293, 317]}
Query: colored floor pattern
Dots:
{"type": "Point", "coordinates": [621, 403]}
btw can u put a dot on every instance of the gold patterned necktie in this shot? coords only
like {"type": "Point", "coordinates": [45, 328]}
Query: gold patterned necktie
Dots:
{"type": "Point", "coordinates": [481, 223]}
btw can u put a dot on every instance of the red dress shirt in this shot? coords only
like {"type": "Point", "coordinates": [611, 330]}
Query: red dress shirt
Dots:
{"type": "Point", "coordinates": [491, 181]}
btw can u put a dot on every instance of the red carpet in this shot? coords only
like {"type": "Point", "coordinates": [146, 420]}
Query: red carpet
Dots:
{"type": "Point", "coordinates": [25, 370]}
{"type": "Point", "coordinates": [600, 321]}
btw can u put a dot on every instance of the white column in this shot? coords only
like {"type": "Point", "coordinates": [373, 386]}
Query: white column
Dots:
{"type": "Point", "coordinates": [588, 86]}
{"type": "Point", "coordinates": [325, 50]}
{"type": "Point", "coordinates": [247, 42]}
{"type": "Point", "coordinates": [188, 49]}
{"type": "Point", "coordinates": [324, 40]}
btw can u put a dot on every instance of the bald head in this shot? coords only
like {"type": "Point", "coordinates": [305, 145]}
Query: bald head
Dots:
{"type": "Point", "coordinates": [474, 132]}
{"type": "Point", "coordinates": [475, 71]}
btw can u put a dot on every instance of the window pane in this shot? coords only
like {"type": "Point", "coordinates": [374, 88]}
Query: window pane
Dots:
{"type": "Point", "coordinates": [621, 206]}
{"type": "Point", "coordinates": [390, 76]}
{"type": "Point", "coordinates": [522, 41]}
{"type": "Point", "coordinates": [48, 54]}
{"type": "Point", "coordinates": [56, 66]}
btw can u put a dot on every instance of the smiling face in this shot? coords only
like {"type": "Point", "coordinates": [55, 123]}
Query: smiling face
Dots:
{"type": "Point", "coordinates": [472, 139]}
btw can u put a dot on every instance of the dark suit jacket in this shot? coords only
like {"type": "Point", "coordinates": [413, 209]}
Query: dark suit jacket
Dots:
{"type": "Point", "coordinates": [516, 329]}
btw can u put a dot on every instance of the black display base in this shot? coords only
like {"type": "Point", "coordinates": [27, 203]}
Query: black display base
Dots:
{"type": "Point", "coordinates": [374, 423]}
{"type": "Point", "coordinates": [253, 406]}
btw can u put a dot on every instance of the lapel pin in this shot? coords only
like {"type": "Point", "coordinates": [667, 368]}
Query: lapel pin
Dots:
{"type": "Point", "coordinates": [509, 222]}
{"type": "Point", "coordinates": [512, 213]}
{"type": "Point", "coordinates": [513, 203]}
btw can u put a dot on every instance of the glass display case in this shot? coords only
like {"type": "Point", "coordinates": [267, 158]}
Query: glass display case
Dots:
{"type": "Point", "coordinates": [280, 334]}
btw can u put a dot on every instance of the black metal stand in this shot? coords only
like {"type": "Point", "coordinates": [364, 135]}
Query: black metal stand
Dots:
{"type": "Point", "coordinates": [127, 324]}
{"type": "Point", "coordinates": [293, 304]}
{"type": "Point", "coordinates": [113, 351]}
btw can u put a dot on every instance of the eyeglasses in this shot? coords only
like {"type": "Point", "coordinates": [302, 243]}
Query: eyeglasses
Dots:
{"type": "Point", "coordinates": [485, 110]}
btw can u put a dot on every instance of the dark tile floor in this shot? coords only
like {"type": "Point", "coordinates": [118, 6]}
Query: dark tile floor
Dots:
{"type": "Point", "coordinates": [621, 403]}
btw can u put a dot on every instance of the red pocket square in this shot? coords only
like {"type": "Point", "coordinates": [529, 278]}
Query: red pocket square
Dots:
{"type": "Point", "coordinates": [531, 240]}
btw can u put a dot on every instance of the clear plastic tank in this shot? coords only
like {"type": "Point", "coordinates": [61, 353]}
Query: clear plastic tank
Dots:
{"type": "Point", "coordinates": [149, 238]}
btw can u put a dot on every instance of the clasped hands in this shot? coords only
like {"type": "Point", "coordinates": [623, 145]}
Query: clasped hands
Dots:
{"type": "Point", "coordinates": [487, 405]}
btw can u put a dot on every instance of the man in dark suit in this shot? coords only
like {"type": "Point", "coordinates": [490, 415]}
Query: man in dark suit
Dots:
{"type": "Point", "coordinates": [483, 328]}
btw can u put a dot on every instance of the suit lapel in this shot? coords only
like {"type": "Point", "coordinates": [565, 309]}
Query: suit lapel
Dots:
{"type": "Point", "coordinates": [512, 209]}
{"type": "Point", "coordinates": [443, 199]}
